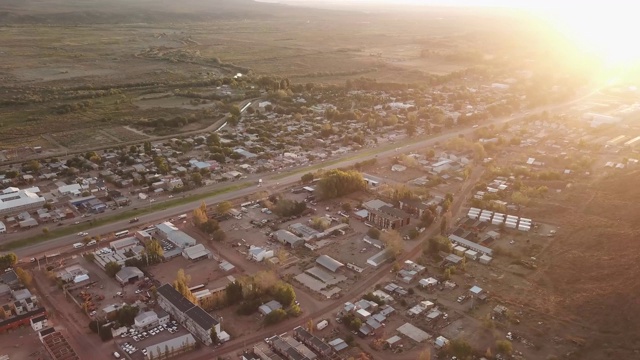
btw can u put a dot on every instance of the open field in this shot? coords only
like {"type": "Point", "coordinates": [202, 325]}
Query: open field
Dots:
{"type": "Point", "coordinates": [99, 77]}
{"type": "Point", "coordinates": [589, 269]}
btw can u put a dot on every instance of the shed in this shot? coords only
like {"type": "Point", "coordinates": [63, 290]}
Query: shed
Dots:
{"type": "Point", "coordinates": [380, 258]}
{"type": "Point", "coordinates": [129, 274]}
{"type": "Point", "coordinates": [414, 333]}
{"type": "Point", "coordinates": [485, 259]}
{"type": "Point", "coordinates": [196, 252]}
{"type": "Point", "coordinates": [267, 308]}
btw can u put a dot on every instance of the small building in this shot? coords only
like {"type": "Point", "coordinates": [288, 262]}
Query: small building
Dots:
{"type": "Point", "coordinates": [259, 254]}
{"type": "Point", "coordinates": [267, 308]}
{"type": "Point", "coordinates": [441, 342]}
{"type": "Point", "coordinates": [196, 252]}
{"type": "Point", "coordinates": [124, 244]}
{"type": "Point", "coordinates": [287, 238]}
{"type": "Point", "coordinates": [129, 274]}
{"type": "Point", "coordinates": [145, 320]}
{"type": "Point", "coordinates": [39, 322]}
{"type": "Point", "coordinates": [428, 282]}
{"type": "Point", "coordinates": [380, 258]}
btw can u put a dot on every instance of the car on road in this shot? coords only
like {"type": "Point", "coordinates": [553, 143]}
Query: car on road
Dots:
{"type": "Point", "coordinates": [134, 220]}
{"type": "Point", "coordinates": [83, 234]}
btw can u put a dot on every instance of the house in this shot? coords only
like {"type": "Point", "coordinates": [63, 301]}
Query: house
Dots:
{"type": "Point", "coordinates": [258, 254]}
{"type": "Point", "coordinates": [145, 320]}
{"type": "Point", "coordinates": [39, 322]}
{"type": "Point", "coordinates": [174, 184]}
{"type": "Point", "coordinates": [441, 166]}
{"type": "Point", "coordinates": [387, 217]}
{"type": "Point", "coordinates": [267, 308]}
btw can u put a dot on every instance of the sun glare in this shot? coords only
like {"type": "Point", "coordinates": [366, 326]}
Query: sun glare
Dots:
{"type": "Point", "coordinates": [606, 31]}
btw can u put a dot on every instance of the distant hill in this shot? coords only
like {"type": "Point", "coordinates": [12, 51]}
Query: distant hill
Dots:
{"type": "Point", "coordinates": [69, 12]}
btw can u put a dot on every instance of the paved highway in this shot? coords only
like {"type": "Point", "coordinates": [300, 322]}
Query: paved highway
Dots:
{"type": "Point", "coordinates": [58, 244]}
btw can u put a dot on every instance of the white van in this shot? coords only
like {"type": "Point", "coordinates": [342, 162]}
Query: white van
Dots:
{"type": "Point", "coordinates": [322, 324]}
{"type": "Point", "coordinates": [116, 355]}
{"type": "Point", "coordinates": [78, 245]}
{"type": "Point", "coordinates": [183, 216]}
{"type": "Point", "coordinates": [92, 242]}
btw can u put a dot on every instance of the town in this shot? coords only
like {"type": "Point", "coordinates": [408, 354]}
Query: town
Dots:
{"type": "Point", "coordinates": [361, 220]}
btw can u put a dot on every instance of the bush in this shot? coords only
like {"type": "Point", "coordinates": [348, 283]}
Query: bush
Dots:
{"type": "Point", "coordinates": [373, 233]}
{"type": "Point", "coordinates": [275, 317]}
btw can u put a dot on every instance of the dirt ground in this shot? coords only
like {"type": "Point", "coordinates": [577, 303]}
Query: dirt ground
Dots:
{"type": "Point", "coordinates": [22, 343]}
{"type": "Point", "coordinates": [581, 292]}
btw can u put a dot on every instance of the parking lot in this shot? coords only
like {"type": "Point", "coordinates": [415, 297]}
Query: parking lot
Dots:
{"type": "Point", "coordinates": [134, 343]}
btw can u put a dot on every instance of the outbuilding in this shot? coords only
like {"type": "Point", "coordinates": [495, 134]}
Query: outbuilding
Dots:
{"type": "Point", "coordinates": [129, 274]}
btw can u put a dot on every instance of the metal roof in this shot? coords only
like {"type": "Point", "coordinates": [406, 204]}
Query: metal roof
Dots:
{"type": "Point", "coordinates": [329, 262]}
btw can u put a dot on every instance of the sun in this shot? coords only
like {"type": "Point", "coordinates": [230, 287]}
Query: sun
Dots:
{"type": "Point", "coordinates": [606, 30]}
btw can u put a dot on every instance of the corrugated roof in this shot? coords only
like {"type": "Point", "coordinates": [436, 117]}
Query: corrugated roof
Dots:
{"type": "Point", "coordinates": [329, 262]}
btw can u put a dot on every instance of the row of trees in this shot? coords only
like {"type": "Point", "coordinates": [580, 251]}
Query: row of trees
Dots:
{"type": "Point", "coordinates": [209, 225]}
{"type": "Point", "coordinates": [338, 183]}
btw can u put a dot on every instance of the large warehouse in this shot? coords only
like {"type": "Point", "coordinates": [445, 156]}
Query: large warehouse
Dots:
{"type": "Point", "coordinates": [14, 201]}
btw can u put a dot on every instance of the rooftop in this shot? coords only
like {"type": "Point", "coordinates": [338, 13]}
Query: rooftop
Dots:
{"type": "Point", "coordinates": [329, 262]}
{"type": "Point", "coordinates": [175, 298]}
{"type": "Point", "coordinates": [201, 317]}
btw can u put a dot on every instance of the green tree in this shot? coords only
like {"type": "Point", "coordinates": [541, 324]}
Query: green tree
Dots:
{"type": "Point", "coordinates": [218, 235]}
{"type": "Point", "coordinates": [338, 183]}
{"type": "Point", "coordinates": [234, 110]}
{"type": "Point", "coordinates": [460, 348]}
{"type": "Point", "coordinates": [196, 178]}
{"type": "Point", "coordinates": [443, 225]}
{"type": "Point", "coordinates": [8, 260]}
{"type": "Point", "coordinates": [284, 294]}
{"type": "Point", "coordinates": [223, 207]}
{"type": "Point", "coordinates": [213, 335]}
{"type": "Point", "coordinates": [275, 317]}
{"type": "Point", "coordinates": [112, 268]}
{"type": "Point", "coordinates": [373, 233]}
{"type": "Point", "coordinates": [34, 165]}
{"type": "Point", "coordinates": [307, 178]}
{"type": "Point", "coordinates": [127, 314]}
{"type": "Point", "coordinates": [233, 293]}
{"type": "Point", "coordinates": [346, 207]}
{"type": "Point", "coordinates": [504, 347]}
